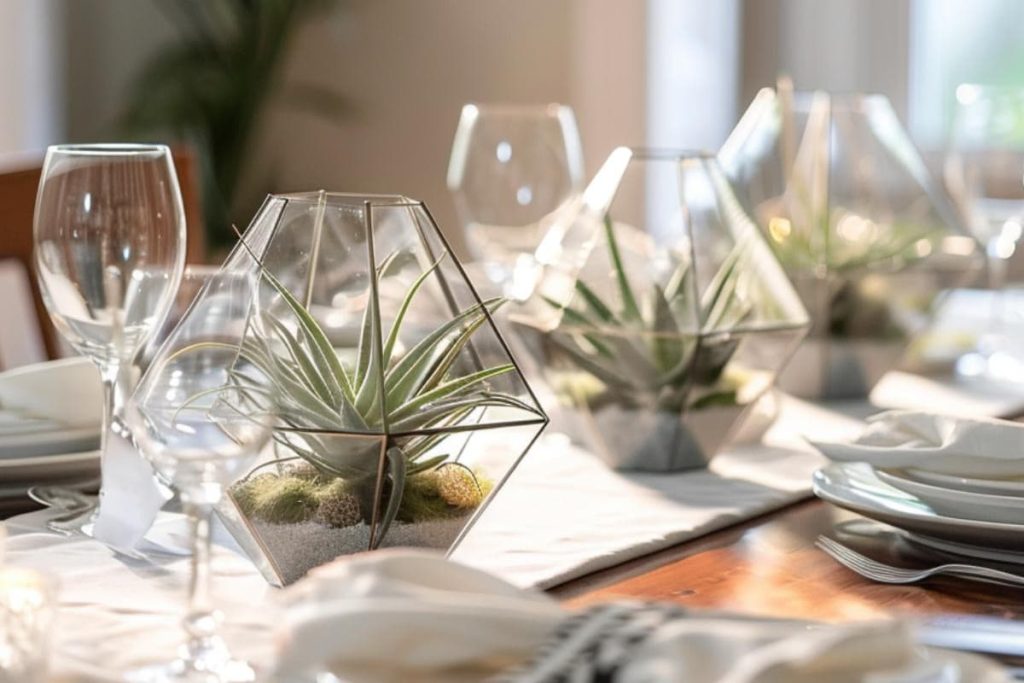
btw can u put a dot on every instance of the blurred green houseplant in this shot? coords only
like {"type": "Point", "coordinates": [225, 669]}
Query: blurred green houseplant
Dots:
{"type": "Point", "coordinates": [209, 88]}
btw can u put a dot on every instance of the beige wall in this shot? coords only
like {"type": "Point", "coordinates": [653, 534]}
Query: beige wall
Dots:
{"type": "Point", "coordinates": [838, 45]}
{"type": "Point", "coordinates": [31, 65]}
{"type": "Point", "coordinates": [106, 41]}
{"type": "Point", "coordinates": [407, 67]}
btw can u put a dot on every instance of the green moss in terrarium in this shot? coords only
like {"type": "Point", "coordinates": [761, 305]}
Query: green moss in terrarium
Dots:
{"type": "Point", "coordinates": [245, 492]}
{"type": "Point", "coordinates": [283, 500]}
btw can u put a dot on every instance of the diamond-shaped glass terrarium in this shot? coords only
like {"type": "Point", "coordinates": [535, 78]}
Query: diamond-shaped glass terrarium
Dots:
{"type": "Point", "coordinates": [400, 410]}
{"type": "Point", "coordinates": [675, 322]}
{"type": "Point", "coordinates": [863, 230]}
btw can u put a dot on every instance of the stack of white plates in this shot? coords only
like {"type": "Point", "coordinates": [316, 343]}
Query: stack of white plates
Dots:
{"type": "Point", "coordinates": [977, 518]}
{"type": "Point", "coordinates": [50, 416]}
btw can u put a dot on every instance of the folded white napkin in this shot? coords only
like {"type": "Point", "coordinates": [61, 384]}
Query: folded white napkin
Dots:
{"type": "Point", "coordinates": [967, 447]}
{"type": "Point", "coordinates": [413, 616]}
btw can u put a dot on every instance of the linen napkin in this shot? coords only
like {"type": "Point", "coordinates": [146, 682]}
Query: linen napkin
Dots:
{"type": "Point", "coordinates": [945, 444]}
{"type": "Point", "coordinates": [413, 616]}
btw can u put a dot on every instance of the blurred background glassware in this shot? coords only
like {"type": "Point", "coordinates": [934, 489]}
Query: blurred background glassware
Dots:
{"type": "Point", "coordinates": [511, 167]}
{"type": "Point", "coordinates": [677, 322]}
{"type": "Point", "coordinates": [27, 605]}
{"type": "Point", "coordinates": [109, 233]}
{"type": "Point", "coordinates": [866, 234]}
{"type": "Point", "coordinates": [984, 172]}
{"type": "Point", "coordinates": [200, 430]}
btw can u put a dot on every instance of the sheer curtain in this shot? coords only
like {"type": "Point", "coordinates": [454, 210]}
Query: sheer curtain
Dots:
{"type": "Point", "coordinates": [954, 42]}
{"type": "Point", "coordinates": [31, 55]}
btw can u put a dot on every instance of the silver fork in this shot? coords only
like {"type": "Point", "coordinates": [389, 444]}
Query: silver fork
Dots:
{"type": "Point", "coordinates": [885, 573]}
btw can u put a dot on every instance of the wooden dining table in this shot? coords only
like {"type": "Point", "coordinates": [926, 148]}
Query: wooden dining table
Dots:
{"type": "Point", "coordinates": [769, 566]}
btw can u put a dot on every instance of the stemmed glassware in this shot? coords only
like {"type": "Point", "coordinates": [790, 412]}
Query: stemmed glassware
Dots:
{"type": "Point", "coordinates": [109, 251]}
{"type": "Point", "coordinates": [984, 172]}
{"type": "Point", "coordinates": [201, 427]}
{"type": "Point", "coordinates": [512, 167]}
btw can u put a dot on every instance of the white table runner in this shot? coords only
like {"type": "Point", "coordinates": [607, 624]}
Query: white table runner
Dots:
{"type": "Point", "coordinates": [563, 514]}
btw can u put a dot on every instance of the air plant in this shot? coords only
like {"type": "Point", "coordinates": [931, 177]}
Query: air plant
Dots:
{"type": "Point", "coordinates": [336, 416]}
{"type": "Point", "coordinates": [652, 352]}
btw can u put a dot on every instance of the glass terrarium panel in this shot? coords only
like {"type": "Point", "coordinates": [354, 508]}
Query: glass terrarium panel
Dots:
{"type": "Point", "coordinates": [675, 279]}
{"type": "Point", "coordinates": [861, 328]}
{"type": "Point", "coordinates": [353, 315]}
{"type": "Point", "coordinates": [846, 203]}
{"type": "Point", "coordinates": [440, 507]}
{"type": "Point", "coordinates": [835, 182]}
{"type": "Point", "coordinates": [298, 518]}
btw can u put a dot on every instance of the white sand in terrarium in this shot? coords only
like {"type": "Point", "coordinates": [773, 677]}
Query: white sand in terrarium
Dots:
{"type": "Point", "coordinates": [297, 548]}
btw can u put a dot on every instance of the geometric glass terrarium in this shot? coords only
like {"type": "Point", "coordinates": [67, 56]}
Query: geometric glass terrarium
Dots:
{"type": "Point", "coordinates": [865, 233]}
{"type": "Point", "coordinates": [676, 321]}
{"type": "Point", "coordinates": [399, 408]}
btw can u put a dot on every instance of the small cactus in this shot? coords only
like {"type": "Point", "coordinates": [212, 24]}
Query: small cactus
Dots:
{"type": "Point", "coordinates": [458, 486]}
{"type": "Point", "coordinates": [338, 507]}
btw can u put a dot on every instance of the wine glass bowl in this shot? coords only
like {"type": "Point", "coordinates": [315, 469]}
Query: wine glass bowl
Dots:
{"type": "Point", "coordinates": [984, 172]}
{"type": "Point", "coordinates": [201, 416]}
{"type": "Point", "coordinates": [511, 166]}
{"type": "Point", "coordinates": [110, 244]}
{"type": "Point", "coordinates": [199, 446]}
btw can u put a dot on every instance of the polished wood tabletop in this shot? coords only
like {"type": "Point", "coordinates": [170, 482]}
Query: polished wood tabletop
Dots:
{"type": "Point", "coordinates": [769, 566]}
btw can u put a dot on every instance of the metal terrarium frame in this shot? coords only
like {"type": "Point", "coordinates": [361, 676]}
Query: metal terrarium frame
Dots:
{"type": "Point", "coordinates": [384, 431]}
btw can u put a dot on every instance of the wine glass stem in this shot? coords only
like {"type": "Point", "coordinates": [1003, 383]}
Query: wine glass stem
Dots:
{"type": "Point", "coordinates": [200, 621]}
{"type": "Point", "coordinates": [996, 283]}
{"type": "Point", "coordinates": [109, 378]}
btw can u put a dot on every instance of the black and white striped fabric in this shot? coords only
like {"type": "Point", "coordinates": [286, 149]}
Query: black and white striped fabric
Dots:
{"type": "Point", "coordinates": [595, 644]}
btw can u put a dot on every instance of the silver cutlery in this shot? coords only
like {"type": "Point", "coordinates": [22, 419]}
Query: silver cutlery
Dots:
{"type": "Point", "coordinates": [78, 507]}
{"type": "Point", "coordinates": [885, 573]}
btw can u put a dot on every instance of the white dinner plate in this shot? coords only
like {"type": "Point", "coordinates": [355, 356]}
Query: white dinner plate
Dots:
{"type": "Point", "coordinates": [959, 503]}
{"type": "Point", "coordinates": [44, 469]}
{"type": "Point", "coordinates": [998, 487]}
{"type": "Point", "coordinates": [965, 549]}
{"type": "Point", "coordinates": [48, 441]}
{"type": "Point", "coordinates": [854, 486]}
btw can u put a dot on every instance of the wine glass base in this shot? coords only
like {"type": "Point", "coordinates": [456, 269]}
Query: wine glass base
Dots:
{"type": "Point", "coordinates": [185, 671]}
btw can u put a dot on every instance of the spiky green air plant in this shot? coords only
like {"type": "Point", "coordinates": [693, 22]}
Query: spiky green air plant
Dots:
{"type": "Point", "coordinates": [648, 353]}
{"type": "Point", "coordinates": [326, 410]}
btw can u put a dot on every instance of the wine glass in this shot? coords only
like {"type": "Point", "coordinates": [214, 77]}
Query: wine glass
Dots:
{"type": "Point", "coordinates": [984, 171]}
{"type": "Point", "coordinates": [109, 236]}
{"type": "Point", "coordinates": [511, 167]}
{"type": "Point", "coordinates": [200, 418]}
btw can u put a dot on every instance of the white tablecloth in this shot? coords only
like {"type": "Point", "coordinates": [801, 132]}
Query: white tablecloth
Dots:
{"type": "Point", "coordinates": [561, 515]}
